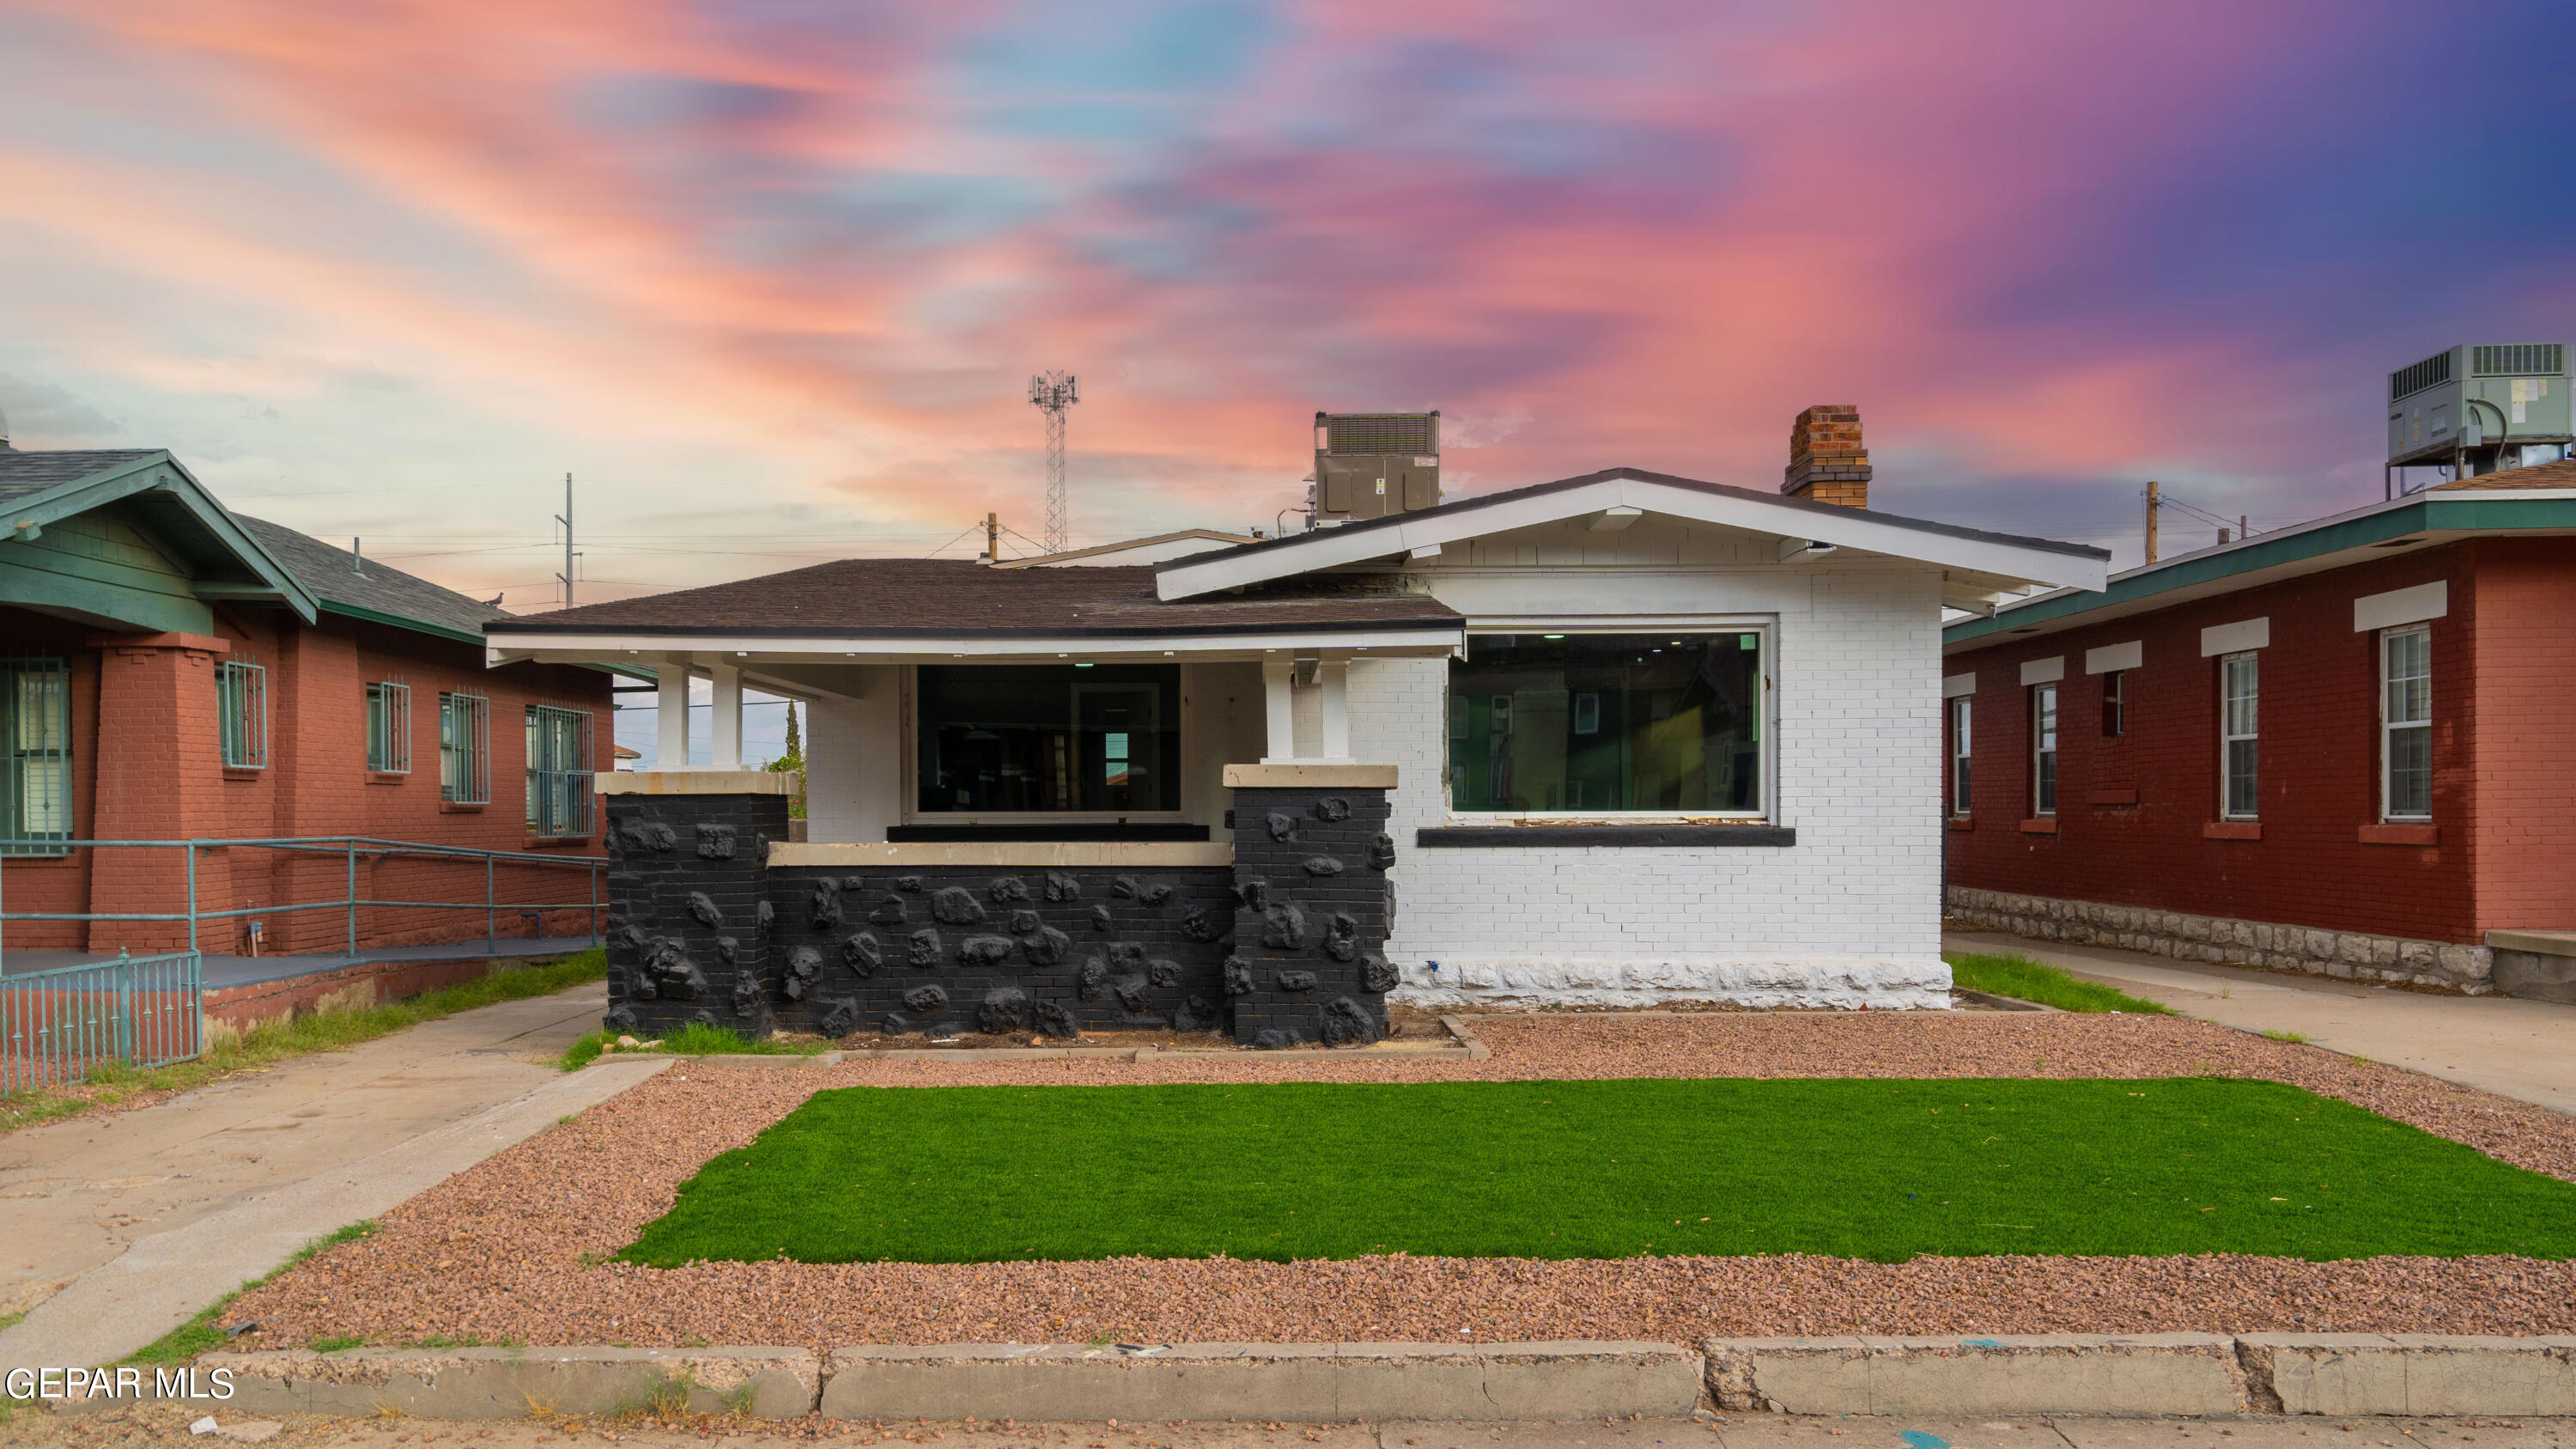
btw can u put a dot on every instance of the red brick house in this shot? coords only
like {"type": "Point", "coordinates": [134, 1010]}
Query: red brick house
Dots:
{"type": "Point", "coordinates": [2341, 747]}
{"type": "Point", "coordinates": [169, 670]}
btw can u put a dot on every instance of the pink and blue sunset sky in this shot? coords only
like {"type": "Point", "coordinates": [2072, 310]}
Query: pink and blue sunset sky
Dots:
{"type": "Point", "coordinates": [770, 277]}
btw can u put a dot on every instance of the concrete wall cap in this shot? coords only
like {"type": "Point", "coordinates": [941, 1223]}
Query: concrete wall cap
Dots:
{"type": "Point", "coordinates": [1310, 777]}
{"type": "Point", "coordinates": [698, 782]}
{"type": "Point", "coordinates": [1009, 854]}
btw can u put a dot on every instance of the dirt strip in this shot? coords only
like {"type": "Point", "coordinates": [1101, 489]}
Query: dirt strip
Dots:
{"type": "Point", "coordinates": [514, 1250]}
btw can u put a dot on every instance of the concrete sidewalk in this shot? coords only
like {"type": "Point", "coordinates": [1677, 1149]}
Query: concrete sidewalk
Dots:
{"type": "Point", "coordinates": [120, 1226]}
{"type": "Point", "coordinates": [2513, 1048]}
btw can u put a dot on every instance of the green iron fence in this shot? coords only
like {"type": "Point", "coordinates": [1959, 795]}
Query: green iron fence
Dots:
{"type": "Point", "coordinates": [57, 1026]}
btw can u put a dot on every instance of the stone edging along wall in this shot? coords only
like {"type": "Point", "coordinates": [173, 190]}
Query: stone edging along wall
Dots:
{"type": "Point", "coordinates": [2142, 1375]}
{"type": "Point", "coordinates": [2352, 955]}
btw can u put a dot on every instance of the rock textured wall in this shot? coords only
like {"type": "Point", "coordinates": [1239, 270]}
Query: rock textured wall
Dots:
{"type": "Point", "coordinates": [689, 915]}
{"type": "Point", "coordinates": [1288, 947]}
{"type": "Point", "coordinates": [1314, 908]}
{"type": "Point", "coordinates": [959, 950]}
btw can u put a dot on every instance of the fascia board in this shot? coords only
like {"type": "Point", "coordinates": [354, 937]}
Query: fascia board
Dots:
{"type": "Point", "coordinates": [126, 480]}
{"type": "Point", "coordinates": [612, 648]}
{"type": "Point", "coordinates": [1853, 528]}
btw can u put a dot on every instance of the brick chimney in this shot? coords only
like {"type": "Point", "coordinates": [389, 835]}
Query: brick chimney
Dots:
{"type": "Point", "coordinates": [1827, 462]}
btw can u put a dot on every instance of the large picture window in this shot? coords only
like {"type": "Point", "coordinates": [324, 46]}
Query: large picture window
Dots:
{"type": "Point", "coordinates": [1026, 739]}
{"type": "Point", "coordinates": [2406, 723]}
{"type": "Point", "coordinates": [559, 787]}
{"type": "Point", "coordinates": [1597, 723]}
{"type": "Point", "coordinates": [35, 755]}
{"type": "Point", "coordinates": [2239, 737]}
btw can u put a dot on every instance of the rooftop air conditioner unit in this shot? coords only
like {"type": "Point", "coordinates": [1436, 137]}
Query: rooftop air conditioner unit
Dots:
{"type": "Point", "coordinates": [1368, 465]}
{"type": "Point", "coordinates": [2485, 408]}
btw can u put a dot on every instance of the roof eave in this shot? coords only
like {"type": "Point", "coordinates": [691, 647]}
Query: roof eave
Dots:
{"type": "Point", "coordinates": [2033, 562]}
{"type": "Point", "coordinates": [138, 476]}
{"type": "Point", "coordinates": [2335, 541]}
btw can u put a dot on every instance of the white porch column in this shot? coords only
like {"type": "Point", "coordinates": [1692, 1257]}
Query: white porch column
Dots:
{"type": "Point", "coordinates": [1334, 675]}
{"type": "Point", "coordinates": [724, 735]}
{"type": "Point", "coordinates": [671, 713]}
{"type": "Point", "coordinates": [1277, 677]}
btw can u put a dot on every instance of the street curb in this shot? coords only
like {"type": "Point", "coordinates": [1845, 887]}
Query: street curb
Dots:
{"type": "Point", "coordinates": [2154, 1374]}
{"type": "Point", "coordinates": [1311, 1383]}
{"type": "Point", "coordinates": [2165, 1375]}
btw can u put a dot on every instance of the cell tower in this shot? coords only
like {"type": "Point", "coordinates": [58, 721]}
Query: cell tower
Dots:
{"type": "Point", "coordinates": [1053, 392]}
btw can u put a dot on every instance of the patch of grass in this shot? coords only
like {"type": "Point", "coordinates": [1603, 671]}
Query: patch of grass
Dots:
{"type": "Point", "coordinates": [204, 1333]}
{"type": "Point", "coordinates": [1860, 1168]}
{"type": "Point", "coordinates": [272, 1041]}
{"type": "Point", "coordinates": [698, 1040]}
{"type": "Point", "coordinates": [334, 1342]}
{"type": "Point", "coordinates": [2023, 979]}
{"type": "Point", "coordinates": [2294, 1038]}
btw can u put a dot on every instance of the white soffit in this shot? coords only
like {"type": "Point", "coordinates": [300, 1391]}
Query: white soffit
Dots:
{"type": "Point", "coordinates": [2236, 638]}
{"type": "Point", "coordinates": [2043, 671]}
{"type": "Point", "coordinates": [1955, 685]}
{"type": "Point", "coordinates": [1854, 528]}
{"type": "Point", "coordinates": [2401, 606]}
{"type": "Point", "coordinates": [2114, 656]}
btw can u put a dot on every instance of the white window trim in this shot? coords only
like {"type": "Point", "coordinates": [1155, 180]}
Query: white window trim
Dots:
{"type": "Point", "coordinates": [910, 785]}
{"type": "Point", "coordinates": [2225, 739]}
{"type": "Point", "coordinates": [2387, 728]}
{"type": "Point", "coordinates": [1767, 627]}
{"type": "Point", "coordinates": [2056, 752]}
{"type": "Point", "coordinates": [1962, 710]}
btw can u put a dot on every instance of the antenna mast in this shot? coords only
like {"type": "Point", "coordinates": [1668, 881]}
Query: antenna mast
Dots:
{"type": "Point", "coordinates": [565, 518]}
{"type": "Point", "coordinates": [1053, 392]}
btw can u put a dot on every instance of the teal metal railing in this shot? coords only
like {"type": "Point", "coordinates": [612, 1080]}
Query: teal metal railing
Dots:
{"type": "Point", "coordinates": [352, 848]}
{"type": "Point", "coordinates": [57, 1026]}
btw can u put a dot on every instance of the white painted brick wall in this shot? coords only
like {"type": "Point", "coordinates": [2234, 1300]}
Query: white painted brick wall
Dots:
{"type": "Point", "coordinates": [1857, 899]}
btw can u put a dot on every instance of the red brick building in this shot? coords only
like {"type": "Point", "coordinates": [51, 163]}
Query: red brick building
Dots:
{"type": "Point", "coordinates": [169, 670]}
{"type": "Point", "coordinates": [2342, 747]}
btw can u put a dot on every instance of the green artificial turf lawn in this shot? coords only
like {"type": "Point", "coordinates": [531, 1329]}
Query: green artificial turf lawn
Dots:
{"type": "Point", "coordinates": [1883, 1169]}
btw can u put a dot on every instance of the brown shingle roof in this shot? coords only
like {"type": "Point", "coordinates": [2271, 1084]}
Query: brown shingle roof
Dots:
{"type": "Point", "coordinates": [2560, 474]}
{"type": "Point", "coordinates": [897, 597]}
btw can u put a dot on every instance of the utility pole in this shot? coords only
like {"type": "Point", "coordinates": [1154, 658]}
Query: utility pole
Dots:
{"type": "Point", "coordinates": [992, 538]}
{"type": "Point", "coordinates": [1053, 392]}
{"type": "Point", "coordinates": [2153, 503]}
{"type": "Point", "coordinates": [565, 518]}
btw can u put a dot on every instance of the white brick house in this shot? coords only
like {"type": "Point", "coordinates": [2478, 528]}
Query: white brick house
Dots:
{"type": "Point", "coordinates": [1653, 738]}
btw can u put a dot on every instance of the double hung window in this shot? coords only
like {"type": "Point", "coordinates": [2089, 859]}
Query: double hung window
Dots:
{"type": "Point", "coordinates": [1961, 713]}
{"type": "Point", "coordinates": [2238, 735]}
{"type": "Point", "coordinates": [559, 802]}
{"type": "Point", "coordinates": [464, 749]}
{"type": "Point", "coordinates": [241, 714]}
{"type": "Point", "coordinates": [1609, 723]}
{"type": "Point", "coordinates": [35, 755]}
{"type": "Point", "coordinates": [2043, 749]}
{"type": "Point", "coordinates": [389, 728]}
{"type": "Point", "coordinates": [2406, 724]}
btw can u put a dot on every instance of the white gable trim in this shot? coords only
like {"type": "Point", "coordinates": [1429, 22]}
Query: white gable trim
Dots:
{"type": "Point", "coordinates": [1843, 527]}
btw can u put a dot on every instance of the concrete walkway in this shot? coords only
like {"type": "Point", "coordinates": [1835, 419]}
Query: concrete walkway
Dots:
{"type": "Point", "coordinates": [2513, 1048]}
{"type": "Point", "coordinates": [122, 1226]}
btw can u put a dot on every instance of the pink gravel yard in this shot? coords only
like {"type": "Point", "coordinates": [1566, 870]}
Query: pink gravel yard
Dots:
{"type": "Point", "coordinates": [516, 1249]}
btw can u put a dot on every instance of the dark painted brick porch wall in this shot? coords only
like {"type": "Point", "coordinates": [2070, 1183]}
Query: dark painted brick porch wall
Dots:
{"type": "Point", "coordinates": [1310, 964]}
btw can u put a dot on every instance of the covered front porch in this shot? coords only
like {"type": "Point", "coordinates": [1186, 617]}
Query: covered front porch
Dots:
{"type": "Point", "coordinates": [1092, 827]}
